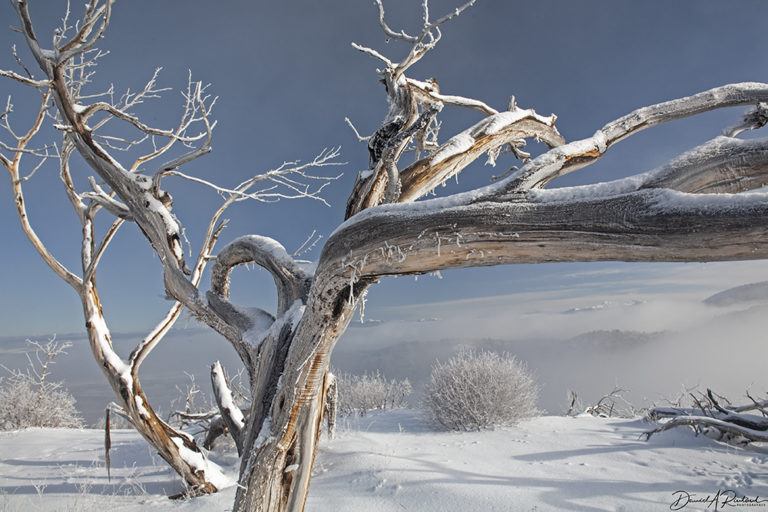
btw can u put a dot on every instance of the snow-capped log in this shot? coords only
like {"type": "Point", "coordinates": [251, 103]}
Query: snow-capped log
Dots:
{"type": "Point", "coordinates": [729, 422]}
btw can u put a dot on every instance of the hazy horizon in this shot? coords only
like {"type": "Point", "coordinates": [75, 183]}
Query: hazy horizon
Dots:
{"type": "Point", "coordinates": [651, 345]}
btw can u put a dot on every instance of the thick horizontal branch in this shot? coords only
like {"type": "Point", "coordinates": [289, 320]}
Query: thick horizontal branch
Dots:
{"type": "Point", "coordinates": [647, 225]}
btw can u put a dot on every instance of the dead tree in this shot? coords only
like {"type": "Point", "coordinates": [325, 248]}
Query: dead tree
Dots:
{"type": "Point", "coordinates": [64, 90]}
{"type": "Point", "coordinates": [667, 214]}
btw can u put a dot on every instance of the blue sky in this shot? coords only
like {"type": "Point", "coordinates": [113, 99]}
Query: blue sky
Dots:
{"type": "Point", "coordinates": [287, 76]}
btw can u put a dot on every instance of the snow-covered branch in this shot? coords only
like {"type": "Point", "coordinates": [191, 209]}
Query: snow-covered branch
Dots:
{"type": "Point", "coordinates": [230, 412]}
{"type": "Point", "coordinates": [722, 165]}
{"type": "Point", "coordinates": [429, 92]}
{"type": "Point", "coordinates": [576, 155]}
{"type": "Point", "coordinates": [109, 203]}
{"type": "Point", "coordinates": [486, 136]}
{"type": "Point", "coordinates": [24, 80]}
{"type": "Point", "coordinates": [411, 118]}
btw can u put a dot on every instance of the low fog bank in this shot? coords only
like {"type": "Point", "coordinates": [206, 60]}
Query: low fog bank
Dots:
{"type": "Point", "coordinates": [654, 348]}
{"type": "Point", "coordinates": [653, 345]}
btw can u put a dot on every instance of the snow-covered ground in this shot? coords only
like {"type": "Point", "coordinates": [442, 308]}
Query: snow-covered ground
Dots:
{"type": "Point", "coordinates": [391, 461]}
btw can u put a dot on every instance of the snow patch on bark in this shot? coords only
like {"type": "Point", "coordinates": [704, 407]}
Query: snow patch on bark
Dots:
{"type": "Point", "coordinates": [225, 395]}
{"type": "Point", "coordinates": [502, 120]}
{"type": "Point", "coordinates": [586, 192]}
{"type": "Point", "coordinates": [455, 146]}
{"type": "Point", "coordinates": [140, 406]}
{"type": "Point", "coordinates": [672, 200]}
{"type": "Point", "coordinates": [99, 326]}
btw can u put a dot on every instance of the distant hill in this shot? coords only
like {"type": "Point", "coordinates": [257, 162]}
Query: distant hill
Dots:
{"type": "Point", "coordinates": [611, 340]}
{"type": "Point", "coordinates": [755, 292]}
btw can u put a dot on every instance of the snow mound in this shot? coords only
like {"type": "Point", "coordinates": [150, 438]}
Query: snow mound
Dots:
{"type": "Point", "coordinates": [392, 461]}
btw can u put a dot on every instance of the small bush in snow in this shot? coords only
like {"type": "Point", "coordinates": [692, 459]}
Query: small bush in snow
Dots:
{"type": "Point", "coordinates": [359, 394]}
{"type": "Point", "coordinates": [29, 399]}
{"type": "Point", "coordinates": [480, 390]}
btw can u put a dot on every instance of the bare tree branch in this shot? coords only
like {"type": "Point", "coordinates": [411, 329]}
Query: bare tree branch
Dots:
{"type": "Point", "coordinates": [85, 40]}
{"type": "Point", "coordinates": [391, 34]}
{"type": "Point", "coordinates": [105, 200]}
{"type": "Point", "coordinates": [13, 167]}
{"type": "Point", "coordinates": [461, 150]}
{"type": "Point", "coordinates": [427, 92]}
{"type": "Point", "coordinates": [576, 155]}
{"type": "Point", "coordinates": [231, 413]}
{"type": "Point", "coordinates": [25, 80]}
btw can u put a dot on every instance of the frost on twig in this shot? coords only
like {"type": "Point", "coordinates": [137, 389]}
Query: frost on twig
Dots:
{"type": "Point", "coordinates": [29, 398]}
{"type": "Point", "coordinates": [291, 180]}
{"type": "Point", "coordinates": [360, 138]}
{"type": "Point", "coordinates": [428, 38]}
{"type": "Point", "coordinates": [312, 240]}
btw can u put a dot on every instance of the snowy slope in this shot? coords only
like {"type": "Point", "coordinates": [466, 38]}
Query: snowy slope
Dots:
{"type": "Point", "coordinates": [747, 293]}
{"type": "Point", "coordinates": [391, 461]}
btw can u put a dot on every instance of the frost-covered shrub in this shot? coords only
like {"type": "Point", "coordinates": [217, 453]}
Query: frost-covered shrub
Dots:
{"type": "Point", "coordinates": [359, 394]}
{"type": "Point", "coordinates": [480, 390]}
{"type": "Point", "coordinates": [29, 399]}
